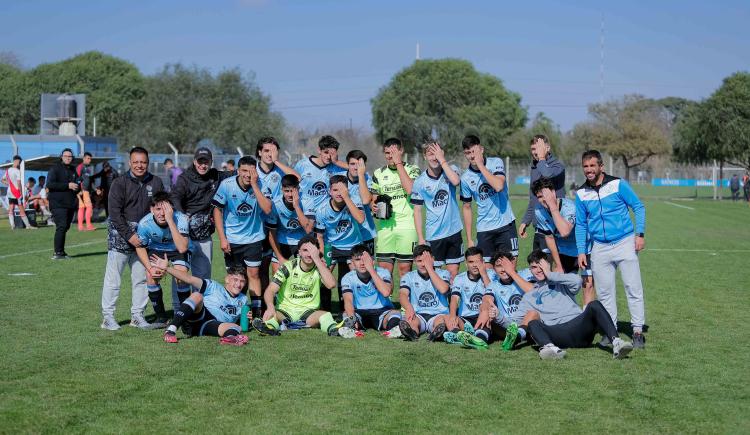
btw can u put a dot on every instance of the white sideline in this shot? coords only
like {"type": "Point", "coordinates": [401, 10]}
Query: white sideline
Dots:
{"type": "Point", "coordinates": [38, 251]}
{"type": "Point", "coordinates": [695, 250]}
{"type": "Point", "coordinates": [678, 205]}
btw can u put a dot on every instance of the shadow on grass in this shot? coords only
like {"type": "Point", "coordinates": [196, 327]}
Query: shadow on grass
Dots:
{"type": "Point", "coordinates": [89, 254]}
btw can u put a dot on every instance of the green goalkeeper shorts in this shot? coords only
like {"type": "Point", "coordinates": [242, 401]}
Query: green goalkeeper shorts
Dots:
{"type": "Point", "coordinates": [395, 244]}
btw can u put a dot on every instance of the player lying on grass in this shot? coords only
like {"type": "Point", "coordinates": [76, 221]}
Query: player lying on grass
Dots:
{"type": "Point", "coordinates": [561, 321]}
{"type": "Point", "coordinates": [295, 287]}
{"type": "Point", "coordinates": [367, 295]}
{"type": "Point", "coordinates": [164, 231]}
{"type": "Point", "coordinates": [215, 311]}
{"type": "Point", "coordinates": [423, 294]}
{"type": "Point", "coordinates": [466, 298]}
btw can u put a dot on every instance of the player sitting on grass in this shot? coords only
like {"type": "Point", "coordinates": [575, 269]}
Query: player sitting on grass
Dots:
{"type": "Point", "coordinates": [466, 298]}
{"type": "Point", "coordinates": [562, 323]}
{"type": "Point", "coordinates": [214, 311]}
{"type": "Point", "coordinates": [296, 289]}
{"type": "Point", "coordinates": [423, 295]}
{"type": "Point", "coordinates": [164, 231]}
{"type": "Point", "coordinates": [367, 290]}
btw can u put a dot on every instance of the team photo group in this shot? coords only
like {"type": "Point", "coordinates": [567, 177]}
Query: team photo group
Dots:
{"type": "Point", "coordinates": [292, 236]}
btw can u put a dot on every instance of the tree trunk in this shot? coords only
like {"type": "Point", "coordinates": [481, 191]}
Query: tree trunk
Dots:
{"type": "Point", "coordinates": [627, 168]}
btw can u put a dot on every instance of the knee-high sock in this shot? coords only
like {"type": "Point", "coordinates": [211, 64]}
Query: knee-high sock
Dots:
{"type": "Point", "coordinates": [183, 292]}
{"type": "Point", "coordinates": [157, 299]}
{"type": "Point", "coordinates": [255, 303]}
{"type": "Point", "coordinates": [326, 322]}
{"type": "Point", "coordinates": [81, 211]}
{"type": "Point", "coordinates": [89, 214]}
{"type": "Point", "coordinates": [25, 220]}
{"type": "Point", "coordinates": [187, 308]}
{"type": "Point", "coordinates": [11, 220]}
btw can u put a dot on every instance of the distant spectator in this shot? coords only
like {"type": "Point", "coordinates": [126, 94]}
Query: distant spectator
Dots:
{"type": "Point", "coordinates": [63, 186]}
{"type": "Point", "coordinates": [12, 179]}
{"type": "Point", "coordinates": [230, 166]}
{"type": "Point", "coordinates": [85, 172]}
{"type": "Point", "coordinates": [746, 186]}
{"type": "Point", "coordinates": [106, 177]}
{"type": "Point", "coordinates": [39, 194]}
{"type": "Point", "coordinates": [734, 186]}
{"type": "Point", "coordinates": [173, 172]}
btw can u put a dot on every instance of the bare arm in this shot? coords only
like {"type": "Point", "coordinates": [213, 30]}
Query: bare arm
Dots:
{"type": "Point", "coordinates": [268, 297]}
{"type": "Point", "coordinates": [182, 275]}
{"type": "Point", "coordinates": [468, 215]}
{"type": "Point", "coordinates": [357, 213]}
{"type": "Point", "coordinates": [325, 274]}
{"type": "Point", "coordinates": [552, 246]}
{"type": "Point", "coordinates": [275, 245]}
{"type": "Point", "coordinates": [286, 169]}
{"type": "Point", "coordinates": [437, 281]}
{"type": "Point", "coordinates": [403, 299]}
{"type": "Point", "coordinates": [406, 181]}
{"type": "Point", "coordinates": [263, 202]}
{"type": "Point", "coordinates": [418, 223]}
{"type": "Point", "coordinates": [496, 181]}
{"type": "Point", "coordinates": [349, 304]}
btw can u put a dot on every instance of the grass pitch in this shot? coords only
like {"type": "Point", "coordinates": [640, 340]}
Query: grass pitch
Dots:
{"type": "Point", "coordinates": [61, 373]}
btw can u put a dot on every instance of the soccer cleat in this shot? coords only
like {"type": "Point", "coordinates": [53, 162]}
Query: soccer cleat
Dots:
{"type": "Point", "coordinates": [170, 337]}
{"type": "Point", "coordinates": [139, 322]}
{"type": "Point", "coordinates": [263, 329]}
{"type": "Point", "coordinates": [550, 351]}
{"type": "Point", "coordinates": [160, 322]}
{"type": "Point", "coordinates": [350, 322]}
{"type": "Point", "coordinates": [621, 348]}
{"type": "Point", "coordinates": [470, 341]}
{"type": "Point", "coordinates": [394, 332]}
{"type": "Point", "coordinates": [451, 338]}
{"type": "Point", "coordinates": [639, 340]}
{"type": "Point", "coordinates": [359, 334]}
{"type": "Point", "coordinates": [407, 331]}
{"type": "Point", "coordinates": [437, 333]}
{"type": "Point", "coordinates": [233, 340]}
{"type": "Point", "coordinates": [110, 324]}
{"type": "Point", "coordinates": [468, 328]}
{"type": "Point", "coordinates": [60, 256]}
{"type": "Point", "coordinates": [343, 332]}
{"type": "Point", "coordinates": [510, 336]}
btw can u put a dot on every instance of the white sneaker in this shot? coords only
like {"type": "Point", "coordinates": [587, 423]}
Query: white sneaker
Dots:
{"type": "Point", "coordinates": [550, 351]}
{"type": "Point", "coordinates": [110, 324]}
{"type": "Point", "coordinates": [394, 332]}
{"type": "Point", "coordinates": [621, 348]}
{"type": "Point", "coordinates": [141, 323]}
{"type": "Point", "coordinates": [346, 332]}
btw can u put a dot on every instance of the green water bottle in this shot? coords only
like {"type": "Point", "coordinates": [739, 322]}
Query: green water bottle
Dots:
{"type": "Point", "coordinates": [243, 317]}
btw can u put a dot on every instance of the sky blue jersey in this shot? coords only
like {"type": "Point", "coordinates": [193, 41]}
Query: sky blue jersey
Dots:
{"type": "Point", "coordinates": [270, 181]}
{"type": "Point", "coordinates": [339, 228]}
{"type": "Point", "coordinates": [546, 225]}
{"type": "Point", "coordinates": [367, 229]}
{"type": "Point", "coordinates": [313, 183]}
{"type": "Point", "coordinates": [243, 218]}
{"type": "Point", "coordinates": [493, 208]}
{"type": "Point", "coordinates": [220, 303]}
{"type": "Point", "coordinates": [158, 238]}
{"type": "Point", "coordinates": [470, 293]}
{"type": "Point", "coordinates": [366, 295]}
{"type": "Point", "coordinates": [423, 296]}
{"type": "Point", "coordinates": [289, 231]}
{"type": "Point", "coordinates": [438, 197]}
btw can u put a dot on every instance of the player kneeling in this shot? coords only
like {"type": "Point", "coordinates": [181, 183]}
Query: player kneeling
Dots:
{"type": "Point", "coordinates": [214, 311]}
{"type": "Point", "coordinates": [423, 295]}
{"type": "Point", "coordinates": [367, 290]}
{"type": "Point", "coordinates": [296, 289]}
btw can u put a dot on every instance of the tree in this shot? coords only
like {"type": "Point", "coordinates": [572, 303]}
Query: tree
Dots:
{"type": "Point", "coordinates": [517, 144]}
{"type": "Point", "coordinates": [447, 98]}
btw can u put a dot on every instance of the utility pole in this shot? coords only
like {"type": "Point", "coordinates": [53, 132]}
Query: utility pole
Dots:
{"type": "Point", "coordinates": [601, 60]}
{"type": "Point", "coordinates": [417, 50]}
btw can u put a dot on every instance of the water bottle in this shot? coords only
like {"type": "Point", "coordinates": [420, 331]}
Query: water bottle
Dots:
{"type": "Point", "coordinates": [243, 317]}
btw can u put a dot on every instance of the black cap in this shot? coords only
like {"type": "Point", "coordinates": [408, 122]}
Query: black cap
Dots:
{"type": "Point", "coordinates": [203, 153]}
{"type": "Point", "coordinates": [16, 157]}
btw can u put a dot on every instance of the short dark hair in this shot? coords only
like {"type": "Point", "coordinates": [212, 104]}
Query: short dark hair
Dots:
{"type": "Point", "coordinates": [247, 160]}
{"type": "Point", "coordinates": [17, 157]}
{"type": "Point", "coordinates": [88, 154]}
{"type": "Point", "coordinates": [168, 160]}
{"type": "Point", "coordinates": [42, 177]}
{"type": "Point", "coordinates": [237, 269]}
{"type": "Point", "coordinates": [537, 255]}
{"type": "Point", "coordinates": [160, 197]}
{"type": "Point", "coordinates": [308, 238]}
{"type": "Point", "coordinates": [264, 140]}
{"type": "Point", "coordinates": [139, 150]}
{"type": "Point", "coordinates": [421, 249]}
{"type": "Point", "coordinates": [542, 183]}
{"type": "Point", "coordinates": [356, 154]}
{"type": "Point", "coordinates": [473, 250]}
{"type": "Point", "coordinates": [32, 179]}
{"type": "Point", "coordinates": [359, 249]}
{"type": "Point", "coordinates": [230, 162]}
{"type": "Point", "coordinates": [61, 152]}
{"type": "Point", "coordinates": [328, 141]}
{"type": "Point", "coordinates": [539, 137]}
{"type": "Point", "coordinates": [469, 141]}
{"type": "Point", "coordinates": [591, 154]}
{"type": "Point", "coordinates": [496, 256]}
{"type": "Point", "coordinates": [289, 180]}
{"type": "Point", "coordinates": [393, 141]}
{"type": "Point", "coordinates": [337, 179]}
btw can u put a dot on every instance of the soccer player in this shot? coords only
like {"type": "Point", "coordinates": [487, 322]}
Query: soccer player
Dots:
{"type": "Point", "coordinates": [484, 182]}
{"type": "Point", "coordinates": [556, 219]}
{"type": "Point", "coordinates": [561, 321]}
{"type": "Point", "coordinates": [337, 225]}
{"type": "Point", "coordinates": [423, 294]}
{"type": "Point", "coordinates": [214, 310]}
{"type": "Point", "coordinates": [239, 202]}
{"type": "Point", "coordinates": [392, 185]}
{"type": "Point", "coordinates": [315, 172]}
{"type": "Point", "coordinates": [85, 171]}
{"type": "Point", "coordinates": [435, 191]}
{"type": "Point", "coordinates": [367, 291]}
{"type": "Point", "coordinates": [12, 179]}
{"type": "Point", "coordinates": [295, 287]}
{"type": "Point", "coordinates": [467, 292]}
{"type": "Point", "coordinates": [287, 222]}
{"type": "Point", "coordinates": [602, 214]}
{"type": "Point", "coordinates": [360, 184]}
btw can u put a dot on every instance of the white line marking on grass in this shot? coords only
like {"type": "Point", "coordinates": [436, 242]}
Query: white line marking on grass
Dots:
{"type": "Point", "coordinates": [39, 251]}
{"type": "Point", "coordinates": [696, 250]}
{"type": "Point", "coordinates": [678, 205]}
{"type": "Point", "coordinates": [21, 274]}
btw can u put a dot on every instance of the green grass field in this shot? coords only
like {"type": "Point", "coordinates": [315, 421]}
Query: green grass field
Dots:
{"type": "Point", "coordinates": [62, 373]}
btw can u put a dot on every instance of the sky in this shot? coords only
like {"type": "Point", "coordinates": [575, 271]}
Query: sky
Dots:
{"type": "Point", "coordinates": [322, 61]}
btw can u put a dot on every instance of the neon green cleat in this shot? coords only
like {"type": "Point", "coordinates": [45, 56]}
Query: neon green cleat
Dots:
{"type": "Point", "coordinates": [451, 338]}
{"type": "Point", "coordinates": [471, 341]}
{"type": "Point", "coordinates": [510, 336]}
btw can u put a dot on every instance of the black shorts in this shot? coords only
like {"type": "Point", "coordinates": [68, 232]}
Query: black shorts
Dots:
{"type": "Point", "coordinates": [370, 245]}
{"type": "Point", "coordinates": [288, 251]}
{"type": "Point", "coordinates": [266, 246]}
{"type": "Point", "coordinates": [371, 319]}
{"type": "Point", "coordinates": [204, 323]}
{"type": "Point", "coordinates": [539, 242]}
{"type": "Point", "coordinates": [472, 320]}
{"type": "Point", "coordinates": [249, 255]}
{"type": "Point", "coordinates": [570, 264]}
{"type": "Point", "coordinates": [503, 239]}
{"type": "Point", "coordinates": [13, 201]}
{"type": "Point", "coordinates": [174, 257]}
{"type": "Point", "coordinates": [341, 256]}
{"type": "Point", "coordinates": [449, 250]}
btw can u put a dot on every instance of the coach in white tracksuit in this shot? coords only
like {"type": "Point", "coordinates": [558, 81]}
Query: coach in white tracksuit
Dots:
{"type": "Point", "coordinates": [602, 215]}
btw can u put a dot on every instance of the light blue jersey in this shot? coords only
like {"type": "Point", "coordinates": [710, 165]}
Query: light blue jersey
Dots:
{"type": "Point", "coordinates": [423, 296]}
{"type": "Point", "coordinates": [243, 218]}
{"type": "Point", "coordinates": [270, 181]}
{"type": "Point", "coordinates": [289, 231]}
{"type": "Point", "coordinates": [313, 183]}
{"type": "Point", "coordinates": [438, 197]}
{"type": "Point", "coordinates": [159, 238]}
{"type": "Point", "coordinates": [339, 228]}
{"type": "Point", "coordinates": [367, 229]}
{"type": "Point", "coordinates": [220, 303]}
{"type": "Point", "coordinates": [470, 293]}
{"type": "Point", "coordinates": [507, 296]}
{"type": "Point", "coordinates": [366, 295]}
{"type": "Point", "coordinates": [493, 208]}
{"type": "Point", "coordinates": [546, 225]}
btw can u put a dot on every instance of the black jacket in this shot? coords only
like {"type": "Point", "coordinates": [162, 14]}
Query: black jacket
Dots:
{"type": "Point", "coordinates": [60, 195]}
{"type": "Point", "coordinates": [549, 168]}
{"type": "Point", "coordinates": [129, 200]}
{"type": "Point", "coordinates": [192, 194]}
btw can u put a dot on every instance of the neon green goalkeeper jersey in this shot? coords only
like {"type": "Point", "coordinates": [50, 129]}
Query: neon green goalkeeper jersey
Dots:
{"type": "Point", "coordinates": [385, 181]}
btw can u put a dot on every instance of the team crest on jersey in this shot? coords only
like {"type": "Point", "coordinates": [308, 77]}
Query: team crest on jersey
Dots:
{"type": "Point", "coordinates": [427, 300]}
{"type": "Point", "coordinates": [319, 189]}
{"type": "Point", "coordinates": [274, 177]}
{"type": "Point", "coordinates": [440, 199]}
{"type": "Point", "coordinates": [475, 301]}
{"type": "Point", "coordinates": [342, 226]}
{"type": "Point", "coordinates": [293, 224]}
{"type": "Point", "coordinates": [513, 303]}
{"type": "Point", "coordinates": [485, 191]}
{"type": "Point", "coordinates": [244, 209]}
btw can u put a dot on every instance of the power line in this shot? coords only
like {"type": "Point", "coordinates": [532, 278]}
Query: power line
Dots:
{"type": "Point", "coordinates": [343, 103]}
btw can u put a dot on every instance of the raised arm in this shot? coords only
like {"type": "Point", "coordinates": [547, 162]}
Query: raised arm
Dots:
{"type": "Point", "coordinates": [182, 275]}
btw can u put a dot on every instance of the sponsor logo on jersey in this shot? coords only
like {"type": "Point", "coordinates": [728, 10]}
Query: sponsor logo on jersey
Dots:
{"type": "Point", "coordinates": [244, 209]}
{"type": "Point", "coordinates": [440, 199]}
{"type": "Point", "coordinates": [343, 226]}
{"type": "Point", "coordinates": [513, 303]}
{"type": "Point", "coordinates": [318, 189]}
{"type": "Point", "coordinates": [293, 224]}
{"type": "Point", "coordinates": [475, 301]}
{"type": "Point", "coordinates": [427, 300]}
{"type": "Point", "coordinates": [485, 191]}
{"type": "Point", "coordinates": [230, 309]}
